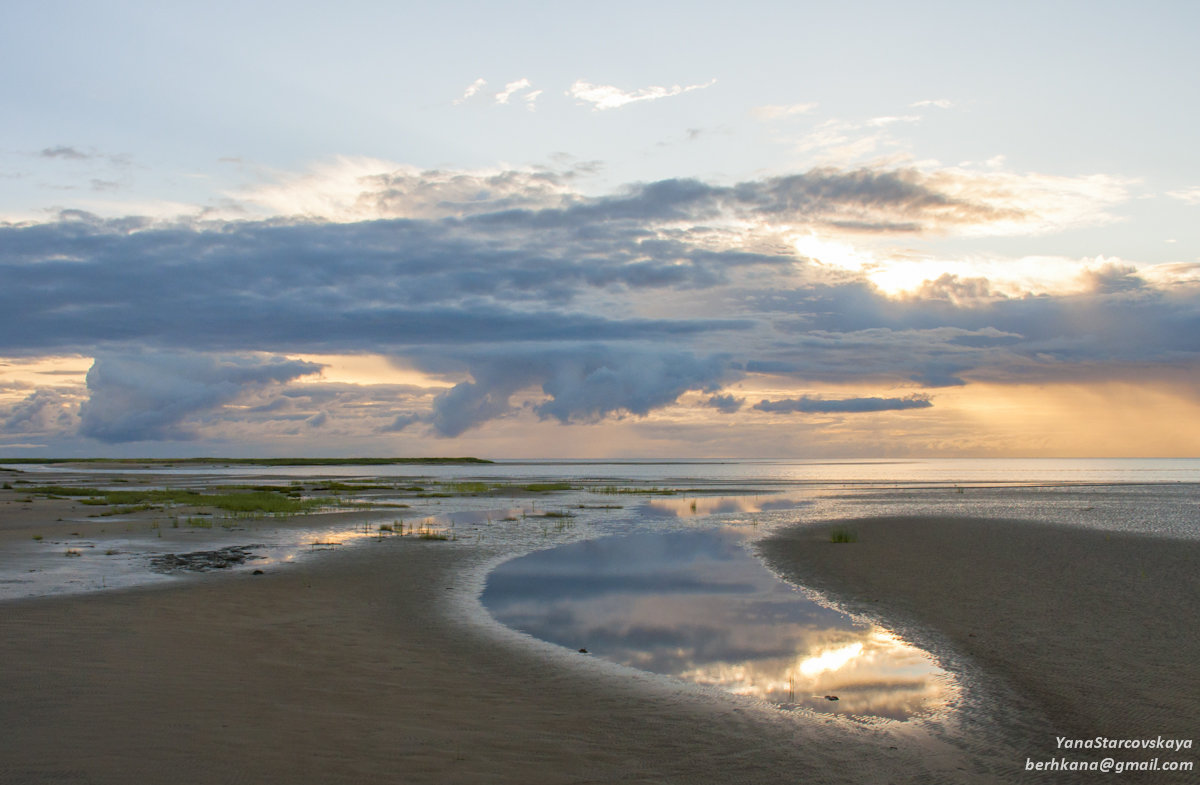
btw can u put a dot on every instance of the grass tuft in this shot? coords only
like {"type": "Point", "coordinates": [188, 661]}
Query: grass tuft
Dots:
{"type": "Point", "coordinates": [843, 535]}
{"type": "Point", "coordinates": [615, 490]}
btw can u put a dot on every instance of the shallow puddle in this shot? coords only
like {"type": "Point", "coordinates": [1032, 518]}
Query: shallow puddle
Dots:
{"type": "Point", "coordinates": [697, 605]}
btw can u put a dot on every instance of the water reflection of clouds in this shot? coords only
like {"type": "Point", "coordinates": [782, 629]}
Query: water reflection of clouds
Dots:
{"type": "Point", "coordinates": [696, 605]}
{"type": "Point", "coordinates": [699, 506]}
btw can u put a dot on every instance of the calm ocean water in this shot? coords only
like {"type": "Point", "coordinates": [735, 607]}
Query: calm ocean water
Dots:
{"type": "Point", "coordinates": [989, 471]}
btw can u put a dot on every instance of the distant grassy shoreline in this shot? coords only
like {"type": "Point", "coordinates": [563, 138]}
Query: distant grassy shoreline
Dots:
{"type": "Point", "coordinates": [251, 461]}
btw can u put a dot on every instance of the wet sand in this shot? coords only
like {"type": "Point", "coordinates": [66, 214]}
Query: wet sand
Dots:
{"type": "Point", "coordinates": [1098, 629]}
{"type": "Point", "coordinates": [366, 666]}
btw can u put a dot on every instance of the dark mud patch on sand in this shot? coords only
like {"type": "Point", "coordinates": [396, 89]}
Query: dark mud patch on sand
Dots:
{"type": "Point", "coordinates": [203, 561]}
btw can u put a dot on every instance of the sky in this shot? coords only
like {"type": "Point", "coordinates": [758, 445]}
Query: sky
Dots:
{"type": "Point", "coordinates": [557, 230]}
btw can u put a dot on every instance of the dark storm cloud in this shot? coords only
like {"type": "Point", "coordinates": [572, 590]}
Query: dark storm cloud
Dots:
{"type": "Point", "coordinates": [396, 287]}
{"type": "Point", "coordinates": [808, 405]}
{"type": "Point", "coordinates": [296, 286]}
{"type": "Point", "coordinates": [151, 396]}
{"type": "Point", "coordinates": [583, 383]}
{"type": "Point", "coordinates": [608, 306]}
{"type": "Point", "coordinates": [1121, 328]}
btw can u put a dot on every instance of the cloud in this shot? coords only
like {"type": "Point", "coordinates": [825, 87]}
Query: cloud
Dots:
{"type": "Point", "coordinates": [70, 153]}
{"type": "Point", "coordinates": [954, 289]}
{"type": "Point", "coordinates": [151, 396]}
{"type": "Point", "coordinates": [471, 90]}
{"type": "Point", "coordinates": [881, 122]}
{"type": "Point", "coordinates": [725, 403]}
{"type": "Point", "coordinates": [810, 405]}
{"type": "Point", "coordinates": [511, 89]}
{"type": "Point", "coordinates": [868, 200]}
{"type": "Point", "coordinates": [1111, 278]}
{"type": "Point", "coordinates": [45, 410]}
{"type": "Point", "coordinates": [350, 189]}
{"type": "Point", "coordinates": [845, 143]}
{"type": "Point", "coordinates": [1122, 329]}
{"type": "Point", "coordinates": [1036, 203]}
{"type": "Point", "coordinates": [1189, 196]}
{"type": "Point", "coordinates": [873, 200]}
{"type": "Point", "coordinates": [63, 151]}
{"type": "Point", "coordinates": [779, 111]}
{"type": "Point", "coordinates": [861, 199]}
{"type": "Point", "coordinates": [402, 421]}
{"type": "Point", "coordinates": [939, 103]}
{"type": "Point", "coordinates": [527, 297]}
{"type": "Point", "coordinates": [582, 383]}
{"type": "Point", "coordinates": [602, 97]}
{"type": "Point", "coordinates": [299, 285]}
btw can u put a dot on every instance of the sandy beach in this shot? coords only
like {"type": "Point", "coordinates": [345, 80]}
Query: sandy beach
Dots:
{"type": "Point", "coordinates": [376, 663]}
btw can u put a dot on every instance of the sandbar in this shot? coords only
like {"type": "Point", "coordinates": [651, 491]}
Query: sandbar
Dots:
{"type": "Point", "coordinates": [1096, 629]}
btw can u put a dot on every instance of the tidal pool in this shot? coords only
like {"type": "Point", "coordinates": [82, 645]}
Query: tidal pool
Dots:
{"type": "Point", "coordinates": [696, 605]}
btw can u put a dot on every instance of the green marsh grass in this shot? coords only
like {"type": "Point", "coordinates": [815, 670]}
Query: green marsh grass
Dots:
{"type": "Point", "coordinates": [465, 488]}
{"type": "Point", "coordinates": [544, 487]}
{"type": "Point", "coordinates": [274, 501]}
{"type": "Point", "coordinates": [473, 487]}
{"type": "Point", "coordinates": [843, 535]}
